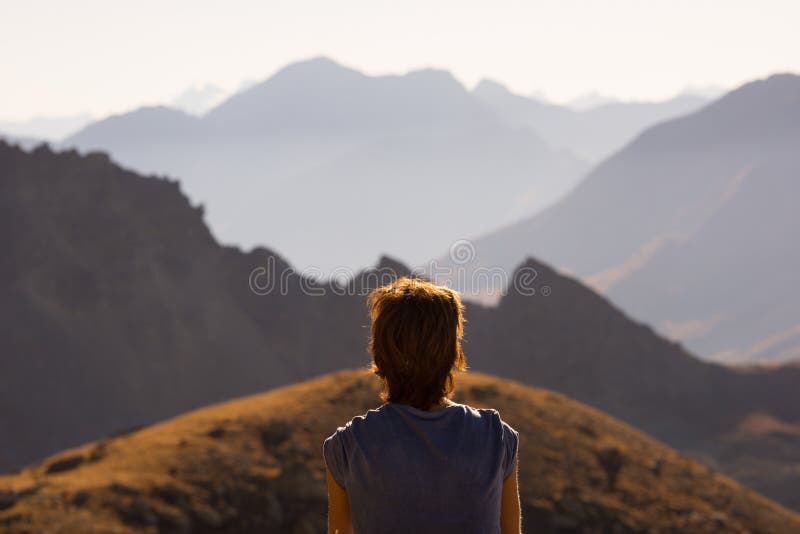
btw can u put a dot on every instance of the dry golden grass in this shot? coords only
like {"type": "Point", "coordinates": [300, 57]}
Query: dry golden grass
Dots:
{"type": "Point", "coordinates": [255, 465]}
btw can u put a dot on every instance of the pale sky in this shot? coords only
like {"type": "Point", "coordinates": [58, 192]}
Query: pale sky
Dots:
{"type": "Point", "coordinates": [62, 58]}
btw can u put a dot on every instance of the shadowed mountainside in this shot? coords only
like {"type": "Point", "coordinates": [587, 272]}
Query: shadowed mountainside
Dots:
{"type": "Point", "coordinates": [576, 342]}
{"type": "Point", "coordinates": [118, 308]}
{"type": "Point", "coordinates": [690, 227]}
{"type": "Point", "coordinates": [255, 465]}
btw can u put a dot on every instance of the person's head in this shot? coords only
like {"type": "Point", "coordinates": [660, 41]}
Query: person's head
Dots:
{"type": "Point", "coordinates": [415, 341]}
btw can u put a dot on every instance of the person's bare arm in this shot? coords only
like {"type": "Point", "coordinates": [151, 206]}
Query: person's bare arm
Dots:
{"type": "Point", "coordinates": [338, 508]}
{"type": "Point", "coordinates": [510, 515]}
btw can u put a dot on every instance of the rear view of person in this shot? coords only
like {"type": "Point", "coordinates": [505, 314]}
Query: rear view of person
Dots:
{"type": "Point", "coordinates": [421, 463]}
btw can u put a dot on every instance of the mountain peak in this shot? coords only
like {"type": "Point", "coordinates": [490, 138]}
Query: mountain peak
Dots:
{"type": "Point", "coordinates": [754, 114]}
{"type": "Point", "coordinates": [432, 75]}
{"type": "Point", "coordinates": [319, 66]}
{"type": "Point", "coordinates": [777, 89]}
{"type": "Point", "coordinates": [386, 271]}
{"type": "Point", "coordinates": [387, 263]}
{"type": "Point", "coordinates": [487, 88]}
{"type": "Point", "coordinates": [323, 95]}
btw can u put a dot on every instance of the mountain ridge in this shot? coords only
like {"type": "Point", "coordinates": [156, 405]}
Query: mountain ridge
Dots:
{"type": "Point", "coordinates": [120, 308]}
{"type": "Point", "coordinates": [593, 134]}
{"type": "Point", "coordinates": [316, 128]}
{"type": "Point", "coordinates": [710, 196]}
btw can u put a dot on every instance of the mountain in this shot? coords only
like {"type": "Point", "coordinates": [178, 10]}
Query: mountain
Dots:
{"type": "Point", "coordinates": [321, 95]}
{"type": "Point", "coordinates": [568, 338]}
{"type": "Point", "coordinates": [590, 100]}
{"type": "Point", "coordinates": [27, 143]}
{"type": "Point", "coordinates": [691, 227]}
{"type": "Point", "coordinates": [593, 133]}
{"type": "Point", "coordinates": [279, 152]}
{"type": "Point", "coordinates": [118, 308]}
{"type": "Point", "coordinates": [255, 465]}
{"type": "Point", "coordinates": [198, 99]}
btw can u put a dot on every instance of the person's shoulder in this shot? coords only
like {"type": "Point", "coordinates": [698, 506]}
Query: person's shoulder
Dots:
{"type": "Point", "coordinates": [359, 422]}
{"type": "Point", "coordinates": [487, 415]}
{"type": "Point", "coordinates": [490, 416]}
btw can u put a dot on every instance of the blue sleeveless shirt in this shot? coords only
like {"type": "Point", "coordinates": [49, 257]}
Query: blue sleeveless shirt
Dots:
{"type": "Point", "coordinates": [407, 470]}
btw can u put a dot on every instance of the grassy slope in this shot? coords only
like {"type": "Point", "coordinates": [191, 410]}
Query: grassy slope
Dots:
{"type": "Point", "coordinates": [239, 467]}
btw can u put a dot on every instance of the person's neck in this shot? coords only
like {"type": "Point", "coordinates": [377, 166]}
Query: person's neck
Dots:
{"type": "Point", "coordinates": [443, 403]}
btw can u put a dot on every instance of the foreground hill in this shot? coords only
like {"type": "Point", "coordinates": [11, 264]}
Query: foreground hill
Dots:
{"type": "Point", "coordinates": [318, 148]}
{"type": "Point", "coordinates": [118, 308]}
{"type": "Point", "coordinates": [691, 227]}
{"type": "Point", "coordinates": [255, 465]}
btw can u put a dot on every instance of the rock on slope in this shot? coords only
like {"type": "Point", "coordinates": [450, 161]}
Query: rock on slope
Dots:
{"type": "Point", "coordinates": [255, 465]}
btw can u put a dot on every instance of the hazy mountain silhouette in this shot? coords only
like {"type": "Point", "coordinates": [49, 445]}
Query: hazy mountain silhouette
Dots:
{"type": "Point", "coordinates": [593, 133]}
{"type": "Point", "coordinates": [27, 143]}
{"type": "Point", "coordinates": [320, 95]}
{"type": "Point", "coordinates": [253, 465]}
{"type": "Point", "coordinates": [118, 308]}
{"type": "Point", "coordinates": [325, 151]}
{"type": "Point", "coordinates": [49, 128]}
{"type": "Point", "coordinates": [691, 227]}
{"type": "Point", "coordinates": [587, 101]}
{"type": "Point", "coordinates": [198, 99]}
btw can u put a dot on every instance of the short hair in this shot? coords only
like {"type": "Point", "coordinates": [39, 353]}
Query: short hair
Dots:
{"type": "Point", "coordinates": [415, 341]}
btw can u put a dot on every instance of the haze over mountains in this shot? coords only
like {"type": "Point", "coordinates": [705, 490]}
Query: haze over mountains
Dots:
{"type": "Point", "coordinates": [692, 227]}
{"type": "Point", "coordinates": [118, 308]}
{"type": "Point", "coordinates": [593, 133]}
{"type": "Point", "coordinates": [54, 128]}
{"type": "Point", "coordinates": [326, 152]}
{"type": "Point", "coordinates": [198, 99]}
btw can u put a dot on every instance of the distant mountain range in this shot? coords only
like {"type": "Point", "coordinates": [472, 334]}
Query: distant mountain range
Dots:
{"type": "Point", "coordinates": [253, 465]}
{"type": "Point", "coordinates": [327, 152]}
{"type": "Point", "coordinates": [118, 308]}
{"type": "Point", "coordinates": [593, 133]}
{"type": "Point", "coordinates": [198, 99]}
{"type": "Point", "coordinates": [595, 99]}
{"type": "Point", "coordinates": [692, 227]}
{"type": "Point", "coordinates": [28, 143]}
{"type": "Point", "coordinates": [194, 100]}
{"type": "Point", "coordinates": [45, 127]}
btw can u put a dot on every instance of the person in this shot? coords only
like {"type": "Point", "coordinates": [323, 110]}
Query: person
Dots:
{"type": "Point", "coordinates": [421, 463]}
